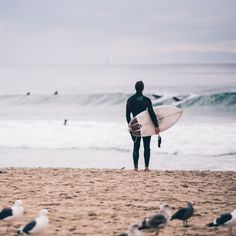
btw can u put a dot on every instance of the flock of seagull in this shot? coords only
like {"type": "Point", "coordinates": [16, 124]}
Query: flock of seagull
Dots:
{"type": "Point", "coordinates": [34, 227]}
{"type": "Point", "coordinates": [151, 224]}
{"type": "Point", "coordinates": [160, 220]}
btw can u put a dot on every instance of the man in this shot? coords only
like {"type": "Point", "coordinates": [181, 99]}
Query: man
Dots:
{"type": "Point", "coordinates": [136, 104]}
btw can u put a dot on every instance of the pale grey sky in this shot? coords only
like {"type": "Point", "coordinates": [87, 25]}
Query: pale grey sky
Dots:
{"type": "Point", "coordinates": [124, 31]}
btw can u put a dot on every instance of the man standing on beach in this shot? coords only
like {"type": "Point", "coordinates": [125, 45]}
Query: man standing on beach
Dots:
{"type": "Point", "coordinates": [135, 104]}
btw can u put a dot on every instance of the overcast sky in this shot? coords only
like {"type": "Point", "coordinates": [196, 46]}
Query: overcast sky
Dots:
{"type": "Point", "coordinates": [118, 31]}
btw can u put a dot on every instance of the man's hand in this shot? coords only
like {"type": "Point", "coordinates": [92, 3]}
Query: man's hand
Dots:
{"type": "Point", "coordinates": [157, 130]}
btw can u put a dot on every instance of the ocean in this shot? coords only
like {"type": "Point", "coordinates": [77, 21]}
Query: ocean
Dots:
{"type": "Point", "coordinates": [92, 99]}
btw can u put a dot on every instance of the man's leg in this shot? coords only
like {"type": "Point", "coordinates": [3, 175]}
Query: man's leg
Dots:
{"type": "Point", "coordinates": [136, 147]}
{"type": "Point", "coordinates": [146, 145]}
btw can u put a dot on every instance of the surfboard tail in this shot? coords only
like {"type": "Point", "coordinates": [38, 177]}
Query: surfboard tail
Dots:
{"type": "Point", "coordinates": [135, 127]}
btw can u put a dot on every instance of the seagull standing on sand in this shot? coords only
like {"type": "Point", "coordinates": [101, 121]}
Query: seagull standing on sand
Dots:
{"type": "Point", "coordinates": [36, 226]}
{"type": "Point", "coordinates": [184, 214]}
{"type": "Point", "coordinates": [227, 220]}
{"type": "Point", "coordinates": [12, 213]}
{"type": "Point", "coordinates": [157, 222]}
{"type": "Point", "coordinates": [132, 231]}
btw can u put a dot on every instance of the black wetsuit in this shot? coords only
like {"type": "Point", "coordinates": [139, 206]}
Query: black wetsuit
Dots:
{"type": "Point", "coordinates": [136, 104]}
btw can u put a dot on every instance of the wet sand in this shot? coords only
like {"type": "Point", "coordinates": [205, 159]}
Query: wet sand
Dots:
{"type": "Point", "coordinates": [106, 202]}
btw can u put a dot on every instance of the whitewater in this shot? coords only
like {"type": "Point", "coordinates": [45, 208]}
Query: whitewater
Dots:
{"type": "Point", "coordinates": [93, 98]}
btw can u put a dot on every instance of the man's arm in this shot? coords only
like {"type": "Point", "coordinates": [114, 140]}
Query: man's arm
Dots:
{"type": "Point", "coordinates": [153, 116]}
{"type": "Point", "coordinates": [128, 112]}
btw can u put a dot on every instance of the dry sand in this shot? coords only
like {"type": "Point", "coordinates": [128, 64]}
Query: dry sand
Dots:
{"type": "Point", "coordinates": [106, 202]}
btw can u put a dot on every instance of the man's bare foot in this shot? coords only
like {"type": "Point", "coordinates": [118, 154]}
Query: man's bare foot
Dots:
{"type": "Point", "coordinates": [147, 169]}
{"type": "Point", "coordinates": [136, 169]}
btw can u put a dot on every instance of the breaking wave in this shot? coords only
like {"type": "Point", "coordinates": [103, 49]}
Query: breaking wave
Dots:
{"type": "Point", "coordinates": [224, 99]}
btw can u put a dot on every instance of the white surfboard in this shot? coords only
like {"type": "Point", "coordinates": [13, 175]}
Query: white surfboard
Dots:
{"type": "Point", "coordinates": [142, 126]}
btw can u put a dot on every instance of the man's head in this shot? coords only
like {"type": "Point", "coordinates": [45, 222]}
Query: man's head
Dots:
{"type": "Point", "coordinates": [139, 86]}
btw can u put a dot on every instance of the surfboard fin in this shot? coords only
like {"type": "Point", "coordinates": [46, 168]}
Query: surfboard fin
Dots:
{"type": "Point", "coordinates": [159, 141]}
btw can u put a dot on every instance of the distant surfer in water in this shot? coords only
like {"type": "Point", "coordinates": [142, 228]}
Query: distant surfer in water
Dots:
{"type": "Point", "coordinates": [135, 104]}
{"type": "Point", "coordinates": [65, 122]}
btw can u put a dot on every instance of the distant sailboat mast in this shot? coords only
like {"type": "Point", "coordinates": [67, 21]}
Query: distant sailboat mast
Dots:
{"type": "Point", "coordinates": [107, 61]}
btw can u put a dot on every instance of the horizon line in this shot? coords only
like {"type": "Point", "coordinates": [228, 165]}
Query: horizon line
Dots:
{"type": "Point", "coordinates": [116, 64]}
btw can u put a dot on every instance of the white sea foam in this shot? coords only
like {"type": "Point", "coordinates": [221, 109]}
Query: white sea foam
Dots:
{"type": "Point", "coordinates": [108, 145]}
{"type": "Point", "coordinates": [183, 139]}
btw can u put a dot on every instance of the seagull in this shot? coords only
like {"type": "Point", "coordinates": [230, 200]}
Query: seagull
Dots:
{"type": "Point", "coordinates": [12, 213]}
{"type": "Point", "coordinates": [158, 221]}
{"type": "Point", "coordinates": [226, 219]}
{"type": "Point", "coordinates": [132, 231]}
{"type": "Point", "coordinates": [37, 225]}
{"type": "Point", "coordinates": [184, 214]}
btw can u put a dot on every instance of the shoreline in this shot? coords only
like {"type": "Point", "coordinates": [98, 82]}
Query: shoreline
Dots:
{"type": "Point", "coordinates": [110, 159]}
{"type": "Point", "coordinates": [3, 170]}
{"type": "Point", "coordinates": [107, 201]}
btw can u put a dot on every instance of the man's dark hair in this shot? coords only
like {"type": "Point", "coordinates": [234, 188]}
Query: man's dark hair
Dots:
{"type": "Point", "coordinates": [139, 86]}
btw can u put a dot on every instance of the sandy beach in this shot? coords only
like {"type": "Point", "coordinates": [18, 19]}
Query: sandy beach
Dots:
{"type": "Point", "coordinates": [106, 202]}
